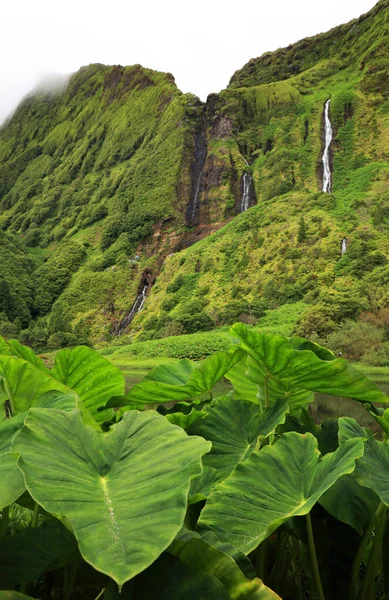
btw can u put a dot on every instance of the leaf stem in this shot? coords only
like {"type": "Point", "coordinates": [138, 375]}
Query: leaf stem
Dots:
{"type": "Point", "coordinates": [295, 568]}
{"type": "Point", "coordinates": [100, 595]}
{"type": "Point", "coordinates": [362, 549]}
{"type": "Point", "coordinates": [367, 589]}
{"type": "Point", "coordinates": [70, 573]}
{"type": "Point", "coordinates": [261, 563]}
{"type": "Point", "coordinates": [4, 521]}
{"type": "Point", "coordinates": [35, 515]}
{"type": "Point", "coordinates": [279, 560]}
{"type": "Point", "coordinates": [312, 551]}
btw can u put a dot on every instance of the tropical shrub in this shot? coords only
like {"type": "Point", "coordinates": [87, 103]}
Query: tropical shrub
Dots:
{"type": "Point", "coordinates": [235, 497]}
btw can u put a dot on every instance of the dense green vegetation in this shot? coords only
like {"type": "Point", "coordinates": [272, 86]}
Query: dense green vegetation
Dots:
{"type": "Point", "coordinates": [98, 181]}
{"type": "Point", "coordinates": [135, 472]}
{"type": "Point", "coordinates": [237, 497]}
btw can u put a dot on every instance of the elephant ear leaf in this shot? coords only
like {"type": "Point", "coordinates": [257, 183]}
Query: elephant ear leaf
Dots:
{"type": "Point", "coordinates": [27, 554]}
{"type": "Point", "coordinates": [234, 428]}
{"type": "Point", "coordinates": [183, 380]}
{"type": "Point", "coordinates": [124, 493]}
{"type": "Point", "coordinates": [94, 379]}
{"type": "Point", "coordinates": [17, 349]}
{"type": "Point", "coordinates": [280, 364]}
{"type": "Point", "coordinates": [204, 558]}
{"type": "Point", "coordinates": [12, 482]}
{"type": "Point", "coordinates": [273, 485]}
{"type": "Point", "coordinates": [372, 469]}
{"type": "Point", "coordinates": [350, 503]}
{"type": "Point", "coordinates": [21, 384]}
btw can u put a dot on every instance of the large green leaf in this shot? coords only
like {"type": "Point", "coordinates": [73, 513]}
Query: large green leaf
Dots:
{"type": "Point", "coordinates": [21, 384]}
{"type": "Point", "coordinates": [372, 469]}
{"type": "Point", "coordinates": [278, 363]}
{"type": "Point", "coordinates": [26, 555]}
{"type": "Point", "coordinates": [244, 388]}
{"type": "Point", "coordinates": [251, 384]}
{"type": "Point", "coordinates": [12, 482]}
{"type": "Point", "coordinates": [276, 483]}
{"type": "Point", "coordinates": [169, 579]}
{"type": "Point", "coordinates": [124, 493]}
{"type": "Point", "coordinates": [183, 379]}
{"type": "Point", "coordinates": [187, 420]}
{"type": "Point", "coordinates": [91, 376]}
{"type": "Point", "coordinates": [15, 348]}
{"type": "Point", "coordinates": [350, 503]}
{"type": "Point", "coordinates": [233, 427]}
{"type": "Point", "coordinates": [203, 558]}
{"type": "Point", "coordinates": [202, 485]}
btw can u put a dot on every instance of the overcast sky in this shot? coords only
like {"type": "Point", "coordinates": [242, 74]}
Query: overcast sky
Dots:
{"type": "Point", "coordinates": [202, 42]}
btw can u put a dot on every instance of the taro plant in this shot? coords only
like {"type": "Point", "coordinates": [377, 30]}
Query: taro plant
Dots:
{"type": "Point", "coordinates": [239, 497]}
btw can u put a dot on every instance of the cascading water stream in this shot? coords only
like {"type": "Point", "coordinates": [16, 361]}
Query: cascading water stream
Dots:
{"type": "Point", "coordinates": [247, 181]}
{"type": "Point", "coordinates": [196, 195]}
{"type": "Point", "coordinates": [136, 307]}
{"type": "Point", "coordinates": [327, 178]}
{"type": "Point", "coordinates": [343, 247]}
{"type": "Point", "coordinates": [197, 172]}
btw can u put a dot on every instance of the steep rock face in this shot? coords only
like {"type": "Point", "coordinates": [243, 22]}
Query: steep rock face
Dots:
{"type": "Point", "coordinates": [104, 181]}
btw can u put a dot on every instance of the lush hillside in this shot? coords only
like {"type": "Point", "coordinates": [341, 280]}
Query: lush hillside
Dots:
{"type": "Point", "coordinates": [122, 184]}
{"type": "Point", "coordinates": [287, 249]}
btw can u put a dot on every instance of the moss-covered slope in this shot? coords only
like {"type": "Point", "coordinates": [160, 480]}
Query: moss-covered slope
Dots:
{"type": "Point", "coordinates": [287, 249]}
{"type": "Point", "coordinates": [112, 183]}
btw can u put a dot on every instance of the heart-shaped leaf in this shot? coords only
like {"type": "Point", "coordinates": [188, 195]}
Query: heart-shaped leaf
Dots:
{"type": "Point", "coordinates": [26, 555]}
{"type": "Point", "coordinates": [233, 427]}
{"type": "Point", "coordinates": [21, 384]}
{"type": "Point", "coordinates": [94, 379]}
{"type": "Point", "coordinates": [278, 482]}
{"type": "Point", "coordinates": [15, 348]}
{"type": "Point", "coordinates": [350, 503]}
{"type": "Point", "coordinates": [183, 379]}
{"type": "Point", "coordinates": [372, 469]}
{"type": "Point", "coordinates": [203, 558]}
{"type": "Point", "coordinates": [279, 364]}
{"type": "Point", "coordinates": [124, 493]}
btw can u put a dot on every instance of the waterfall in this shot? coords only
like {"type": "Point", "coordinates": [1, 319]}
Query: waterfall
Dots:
{"type": "Point", "coordinates": [136, 307]}
{"type": "Point", "coordinates": [247, 181]}
{"type": "Point", "coordinates": [196, 173]}
{"type": "Point", "coordinates": [343, 246]}
{"type": "Point", "coordinates": [195, 199]}
{"type": "Point", "coordinates": [326, 154]}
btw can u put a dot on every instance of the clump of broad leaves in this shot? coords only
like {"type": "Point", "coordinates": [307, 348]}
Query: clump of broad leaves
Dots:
{"type": "Point", "coordinates": [235, 497]}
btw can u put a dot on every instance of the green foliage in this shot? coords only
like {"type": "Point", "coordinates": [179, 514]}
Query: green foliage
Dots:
{"type": "Point", "coordinates": [53, 276]}
{"type": "Point", "coordinates": [108, 165]}
{"type": "Point", "coordinates": [194, 346]}
{"type": "Point", "coordinates": [302, 232]}
{"type": "Point", "coordinates": [193, 500]}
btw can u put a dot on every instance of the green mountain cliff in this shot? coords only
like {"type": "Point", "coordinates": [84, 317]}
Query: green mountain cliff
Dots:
{"type": "Point", "coordinates": [122, 187]}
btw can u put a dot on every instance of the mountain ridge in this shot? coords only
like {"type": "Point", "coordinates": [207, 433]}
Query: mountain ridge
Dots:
{"type": "Point", "coordinates": [109, 184]}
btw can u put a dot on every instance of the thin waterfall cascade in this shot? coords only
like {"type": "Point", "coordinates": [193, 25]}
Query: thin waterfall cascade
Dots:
{"type": "Point", "coordinates": [327, 176]}
{"type": "Point", "coordinates": [197, 172]}
{"type": "Point", "coordinates": [343, 246]}
{"type": "Point", "coordinates": [247, 182]}
{"type": "Point", "coordinates": [196, 203]}
{"type": "Point", "coordinates": [136, 307]}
